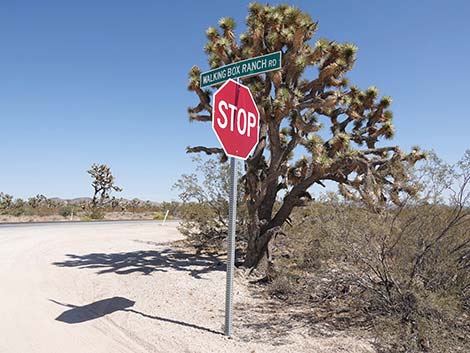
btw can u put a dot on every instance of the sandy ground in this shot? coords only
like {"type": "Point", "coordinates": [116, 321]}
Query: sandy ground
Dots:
{"type": "Point", "coordinates": [121, 287]}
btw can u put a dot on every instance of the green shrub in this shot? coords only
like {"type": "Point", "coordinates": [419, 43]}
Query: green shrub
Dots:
{"type": "Point", "coordinates": [159, 217]}
{"type": "Point", "coordinates": [16, 212]}
{"type": "Point", "coordinates": [95, 213]}
{"type": "Point", "coordinates": [66, 211]}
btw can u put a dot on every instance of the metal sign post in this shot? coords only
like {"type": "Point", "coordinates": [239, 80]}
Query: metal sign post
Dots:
{"type": "Point", "coordinates": [235, 121]}
{"type": "Point", "coordinates": [232, 217]}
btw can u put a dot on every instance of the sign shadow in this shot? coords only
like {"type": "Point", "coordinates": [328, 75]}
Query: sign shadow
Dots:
{"type": "Point", "coordinates": [79, 314]}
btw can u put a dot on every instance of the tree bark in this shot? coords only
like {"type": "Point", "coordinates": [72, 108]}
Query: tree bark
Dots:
{"type": "Point", "coordinates": [261, 231]}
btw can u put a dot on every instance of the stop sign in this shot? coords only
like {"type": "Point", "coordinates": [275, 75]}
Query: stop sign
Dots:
{"type": "Point", "coordinates": [235, 119]}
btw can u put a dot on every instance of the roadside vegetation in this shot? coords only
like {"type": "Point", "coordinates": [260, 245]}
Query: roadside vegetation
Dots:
{"type": "Point", "coordinates": [389, 253]}
{"type": "Point", "coordinates": [81, 209]}
{"type": "Point", "coordinates": [401, 273]}
{"type": "Point", "coordinates": [100, 206]}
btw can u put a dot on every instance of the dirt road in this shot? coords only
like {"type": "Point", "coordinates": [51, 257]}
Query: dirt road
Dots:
{"type": "Point", "coordinates": [120, 287]}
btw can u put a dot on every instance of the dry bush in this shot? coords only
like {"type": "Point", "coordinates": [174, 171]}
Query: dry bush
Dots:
{"type": "Point", "coordinates": [95, 213]}
{"type": "Point", "coordinates": [202, 226]}
{"type": "Point", "coordinates": [38, 205]}
{"type": "Point", "coordinates": [204, 212]}
{"type": "Point", "coordinates": [403, 273]}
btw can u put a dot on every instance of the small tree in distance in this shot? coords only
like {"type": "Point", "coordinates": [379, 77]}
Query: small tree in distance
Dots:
{"type": "Point", "coordinates": [103, 183]}
{"type": "Point", "coordinates": [336, 124]}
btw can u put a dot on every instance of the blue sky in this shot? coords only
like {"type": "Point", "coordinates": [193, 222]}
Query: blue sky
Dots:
{"type": "Point", "coordinates": [105, 81]}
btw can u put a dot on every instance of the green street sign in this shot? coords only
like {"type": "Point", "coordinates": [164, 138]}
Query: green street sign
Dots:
{"type": "Point", "coordinates": [242, 68]}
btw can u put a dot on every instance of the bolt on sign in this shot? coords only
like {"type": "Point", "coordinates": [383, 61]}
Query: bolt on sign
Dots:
{"type": "Point", "coordinates": [244, 68]}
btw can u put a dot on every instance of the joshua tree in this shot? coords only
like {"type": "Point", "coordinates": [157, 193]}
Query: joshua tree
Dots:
{"type": "Point", "coordinates": [6, 201]}
{"type": "Point", "coordinates": [103, 183]}
{"type": "Point", "coordinates": [37, 201]}
{"type": "Point", "coordinates": [336, 124]}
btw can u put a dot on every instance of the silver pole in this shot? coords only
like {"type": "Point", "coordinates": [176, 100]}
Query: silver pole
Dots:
{"type": "Point", "coordinates": [232, 217]}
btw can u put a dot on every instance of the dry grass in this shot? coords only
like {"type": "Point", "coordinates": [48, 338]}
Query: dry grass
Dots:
{"type": "Point", "coordinates": [393, 274]}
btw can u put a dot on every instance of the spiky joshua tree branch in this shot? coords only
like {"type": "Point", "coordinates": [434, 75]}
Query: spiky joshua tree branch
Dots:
{"type": "Point", "coordinates": [295, 108]}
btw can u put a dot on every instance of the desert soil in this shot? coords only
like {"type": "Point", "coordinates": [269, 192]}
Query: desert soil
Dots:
{"type": "Point", "coordinates": [122, 287]}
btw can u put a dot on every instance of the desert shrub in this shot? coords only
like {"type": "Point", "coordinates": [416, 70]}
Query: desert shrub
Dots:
{"type": "Point", "coordinates": [95, 213]}
{"type": "Point", "coordinates": [204, 212]}
{"type": "Point", "coordinates": [43, 211]}
{"type": "Point", "coordinates": [13, 207]}
{"type": "Point", "coordinates": [135, 205]}
{"type": "Point", "coordinates": [17, 212]}
{"type": "Point", "coordinates": [203, 227]}
{"type": "Point", "coordinates": [406, 264]}
{"type": "Point", "coordinates": [116, 204]}
{"type": "Point", "coordinates": [6, 200]}
{"type": "Point", "coordinates": [403, 272]}
{"type": "Point", "coordinates": [160, 216]}
{"type": "Point", "coordinates": [37, 201]}
{"type": "Point", "coordinates": [283, 284]}
{"type": "Point", "coordinates": [66, 211]}
{"type": "Point", "coordinates": [38, 205]}
{"type": "Point", "coordinates": [174, 207]}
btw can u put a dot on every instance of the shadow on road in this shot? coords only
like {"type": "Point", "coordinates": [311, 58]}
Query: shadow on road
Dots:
{"type": "Point", "coordinates": [78, 314]}
{"type": "Point", "coordinates": [146, 262]}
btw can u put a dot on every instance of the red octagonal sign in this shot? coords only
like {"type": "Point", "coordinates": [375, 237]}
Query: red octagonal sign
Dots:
{"type": "Point", "coordinates": [235, 119]}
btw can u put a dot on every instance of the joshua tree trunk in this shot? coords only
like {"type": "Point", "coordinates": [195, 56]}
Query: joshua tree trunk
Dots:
{"type": "Point", "coordinates": [264, 224]}
{"type": "Point", "coordinates": [94, 201]}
